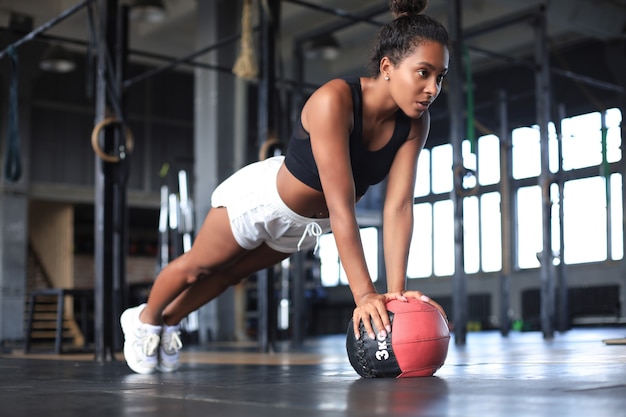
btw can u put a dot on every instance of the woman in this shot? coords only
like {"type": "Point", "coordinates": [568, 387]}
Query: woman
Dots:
{"type": "Point", "coordinates": [352, 133]}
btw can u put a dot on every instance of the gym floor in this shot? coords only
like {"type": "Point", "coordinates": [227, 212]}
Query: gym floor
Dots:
{"type": "Point", "coordinates": [576, 374]}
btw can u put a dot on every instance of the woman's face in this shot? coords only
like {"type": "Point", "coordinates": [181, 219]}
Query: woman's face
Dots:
{"type": "Point", "coordinates": [416, 82]}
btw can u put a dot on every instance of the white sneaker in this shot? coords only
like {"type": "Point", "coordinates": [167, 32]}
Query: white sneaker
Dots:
{"type": "Point", "coordinates": [170, 347]}
{"type": "Point", "coordinates": [141, 341]}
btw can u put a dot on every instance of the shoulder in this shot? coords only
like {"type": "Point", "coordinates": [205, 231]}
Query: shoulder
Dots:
{"type": "Point", "coordinates": [336, 90]}
{"type": "Point", "coordinates": [331, 102]}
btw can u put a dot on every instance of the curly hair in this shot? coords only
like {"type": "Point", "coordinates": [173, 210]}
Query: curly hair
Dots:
{"type": "Point", "coordinates": [409, 29]}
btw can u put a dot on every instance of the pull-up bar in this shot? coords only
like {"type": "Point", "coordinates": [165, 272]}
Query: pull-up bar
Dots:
{"type": "Point", "coordinates": [366, 15]}
{"type": "Point", "coordinates": [50, 23]}
{"type": "Point", "coordinates": [336, 12]}
{"type": "Point", "coordinates": [150, 73]}
{"type": "Point", "coordinates": [604, 85]}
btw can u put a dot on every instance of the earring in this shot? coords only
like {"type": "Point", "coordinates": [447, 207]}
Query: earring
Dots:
{"type": "Point", "coordinates": [386, 78]}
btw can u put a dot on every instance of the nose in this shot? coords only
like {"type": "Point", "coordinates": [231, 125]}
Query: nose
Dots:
{"type": "Point", "coordinates": [432, 87]}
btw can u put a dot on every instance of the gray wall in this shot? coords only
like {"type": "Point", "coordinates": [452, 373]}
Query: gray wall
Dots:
{"type": "Point", "coordinates": [578, 276]}
{"type": "Point", "coordinates": [57, 118]}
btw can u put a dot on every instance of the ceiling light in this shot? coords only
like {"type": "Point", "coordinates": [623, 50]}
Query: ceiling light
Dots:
{"type": "Point", "coordinates": [147, 10]}
{"type": "Point", "coordinates": [57, 59]}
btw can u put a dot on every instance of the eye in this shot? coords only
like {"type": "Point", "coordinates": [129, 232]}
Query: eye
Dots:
{"type": "Point", "coordinates": [440, 78]}
{"type": "Point", "coordinates": [423, 73]}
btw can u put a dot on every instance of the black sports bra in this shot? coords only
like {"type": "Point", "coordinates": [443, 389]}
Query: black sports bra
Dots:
{"type": "Point", "coordinates": [368, 167]}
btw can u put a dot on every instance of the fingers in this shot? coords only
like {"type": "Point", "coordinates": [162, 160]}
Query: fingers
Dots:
{"type": "Point", "coordinates": [396, 296]}
{"type": "Point", "coordinates": [368, 327]}
{"type": "Point", "coordinates": [418, 295]}
{"type": "Point", "coordinates": [367, 320]}
{"type": "Point", "coordinates": [381, 321]}
{"type": "Point", "coordinates": [421, 296]}
{"type": "Point", "coordinates": [373, 314]}
{"type": "Point", "coordinates": [355, 326]}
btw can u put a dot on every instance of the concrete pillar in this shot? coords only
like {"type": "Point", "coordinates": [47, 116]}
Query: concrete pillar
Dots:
{"type": "Point", "coordinates": [616, 59]}
{"type": "Point", "coordinates": [507, 207]}
{"type": "Point", "coordinates": [213, 139]}
{"type": "Point", "coordinates": [543, 106]}
{"type": "Point", "coordinates": [455, 96]}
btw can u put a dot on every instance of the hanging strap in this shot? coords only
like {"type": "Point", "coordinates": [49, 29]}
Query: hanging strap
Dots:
{"type": "Point", "coordinates": [471, 132]}
{"type": "Point", "coordinates": [12, 162]}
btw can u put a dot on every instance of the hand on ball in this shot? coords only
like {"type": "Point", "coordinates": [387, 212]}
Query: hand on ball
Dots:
{"type": "Point", "coordinates": [371, 308]}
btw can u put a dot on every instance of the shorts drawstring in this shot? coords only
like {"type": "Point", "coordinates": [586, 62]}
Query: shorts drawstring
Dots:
{"type": "Point", "coordinates": [312, 229]}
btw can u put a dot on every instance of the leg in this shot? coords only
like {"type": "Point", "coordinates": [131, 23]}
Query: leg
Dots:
{"type": "Point", "coordinates": [214, 247]}
{"type": "Point", "coordinates": [203, 291]}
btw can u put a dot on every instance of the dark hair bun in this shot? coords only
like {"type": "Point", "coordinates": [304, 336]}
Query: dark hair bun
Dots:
{"type": "Point", "coordinates": [405, 7]}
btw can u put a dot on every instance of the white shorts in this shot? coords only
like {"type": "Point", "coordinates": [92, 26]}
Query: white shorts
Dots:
{"type": "Point", "coordinates": [258, 215]}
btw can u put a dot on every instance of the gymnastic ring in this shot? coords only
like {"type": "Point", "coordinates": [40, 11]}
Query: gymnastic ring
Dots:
{"type": "Point", "coordinates": [460, 172]}
{"type": "Point", "coordinates": [126, 149]}
{"type": "Point", "coordinates": [266, 146]}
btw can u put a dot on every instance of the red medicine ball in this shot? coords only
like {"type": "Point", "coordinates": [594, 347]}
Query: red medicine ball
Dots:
{"type": "Point", "coordinates": [416, 346]}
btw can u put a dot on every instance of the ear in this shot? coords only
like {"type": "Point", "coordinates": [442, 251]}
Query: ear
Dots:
{"type": "Point", "coordinates": [385, 66]}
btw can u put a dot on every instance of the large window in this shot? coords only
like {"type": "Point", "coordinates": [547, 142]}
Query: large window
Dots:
{"type": "Point", "coordinates": [529, 232]}
{"type": "Point", "coordinates": [592, 202]}
{"type": "Point", "coordinates": [584, 221]}
{"type": "Point", "coordinates": [421, 251]}
{"type": "Point", "coordinates": [592, 212]}
{"type": "Point", "coordinates": [332, 271]}
{"type": "Point", "coordinates": [491, 232]}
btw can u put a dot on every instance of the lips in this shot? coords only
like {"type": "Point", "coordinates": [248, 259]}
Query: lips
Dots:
{"type": "Point", "coordinates": [423, 105]}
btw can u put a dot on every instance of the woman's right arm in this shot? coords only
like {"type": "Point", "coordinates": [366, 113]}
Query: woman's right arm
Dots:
{"type": "Point", "coordinates": [328, 118]}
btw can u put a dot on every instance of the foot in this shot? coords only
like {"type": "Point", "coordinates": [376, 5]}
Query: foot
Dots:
{"type": "Point", "coordinates": [169, 349]}
{"type": "Point", "coordinates": [141, 341]}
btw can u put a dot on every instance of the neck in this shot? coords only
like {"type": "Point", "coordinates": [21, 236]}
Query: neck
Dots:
{"type": "Point", "coordinates": [378, 105]}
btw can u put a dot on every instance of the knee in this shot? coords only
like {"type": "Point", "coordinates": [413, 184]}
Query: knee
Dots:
{"type": "Point", "coordinates": [200, 274]}
{"type": "Point", "coordinates": [190, 272]}
{"type": "Point", "coordinates": [194, 273]}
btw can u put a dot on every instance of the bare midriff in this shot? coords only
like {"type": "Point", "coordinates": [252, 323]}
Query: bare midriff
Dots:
{"type": "Point", "coordinates": [299, 197]}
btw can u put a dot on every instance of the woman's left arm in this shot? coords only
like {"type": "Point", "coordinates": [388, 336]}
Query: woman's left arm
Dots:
{"type": "Point", "coordinates": [398, 208]}
{"type": "Point", "coordinates": [398, 214]}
